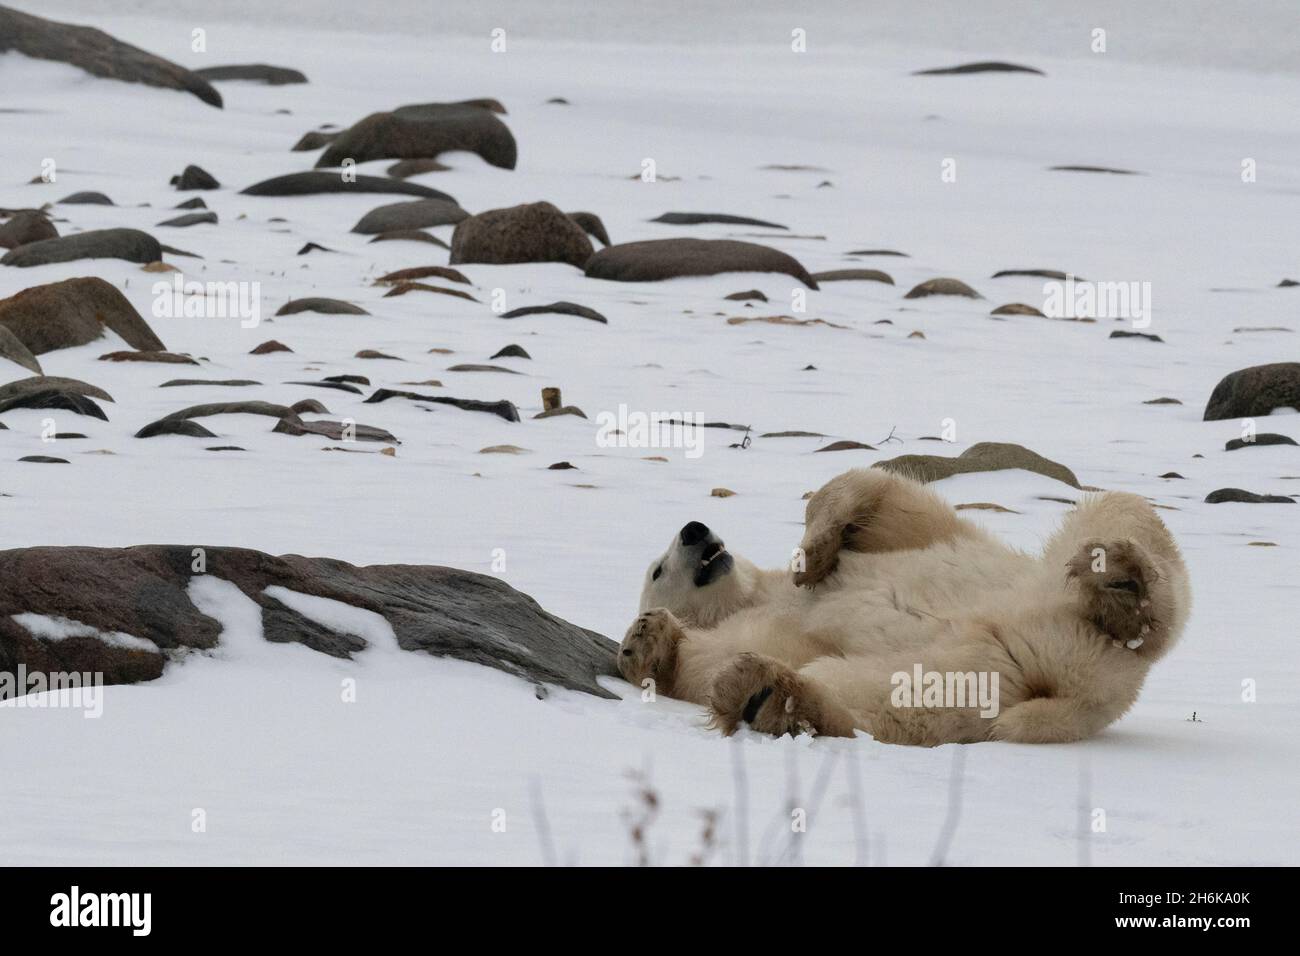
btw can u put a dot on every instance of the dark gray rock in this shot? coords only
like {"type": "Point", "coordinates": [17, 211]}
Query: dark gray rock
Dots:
{"type": "Point", "coordinates": [97, 53]}
{"type": "Point", "coordinates": [1264, 438]}
{"type": "Point", "coordinates": [12, 348]}
{"type": "Point", "coordinates": [502, 409]}
{"type": "Point", "coordinates": [853, 275]}
{"type": "Point", "coordinates": [129, 244]}
{"type": "Point", "coordinates": [425, 131]}
{"type": "Point", "coordinates": [658, 259]}
{"type": "Point", "coordinates": [315, 139]}
{"type": "Point", "coordinates": [559, 308]}
{"type": "Point", "coordinates": [321, 305]}
{"type": "Point", "coordinates": [141, 591]}
{"type": "Point", "coordinates": [40, 382]}
{"type": "Point", "coordinates": [942, 286]}
{"type": "Point", "coordinates": [698, 218]}
{"type": "Point", "coordinates": [1248, 497]}
{"type": "Point", "coordinates": [86, 199]}
{"type": "Point", "coordinates": [533, 232]}
{"type": "Point", "coordinates": [28, 225]}
{"type": "Point", "coordinates": [591, 225]}
{"type": "Point", "coordinates": [1255, 392]}
{"type": "Point", "coordinates": [336, 431]}
{"type": "Point", "coordinates": [195, 177]}
{"type": "Point", "coordinates": [179, 426]}
{"type": "Point", "coordinates": [983, 66]}
{"type": "Point", "coordinates": [53, 398]}
{"type": "Point", "coordinates": [320, 181]}
{"type": "Point", "coordinates": [417, 214]}
{"type": "Point", "coordinates": [191, 219]}
{"type": "Point", "coordinates": [253, 72]}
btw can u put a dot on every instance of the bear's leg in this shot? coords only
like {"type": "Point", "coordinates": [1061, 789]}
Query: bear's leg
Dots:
{"type": "Point", "coordinates": [649, 650]}
{"type": "Point", "coordinates": [769, 696]}
{"type": "Point", "coordinates": [1048, 720]}
{"type": "Point", "coordinates": [871, 510]}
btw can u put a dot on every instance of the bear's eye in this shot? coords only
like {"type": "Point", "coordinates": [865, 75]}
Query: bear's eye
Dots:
{"type": "Point", "coordinates": [658, 571]}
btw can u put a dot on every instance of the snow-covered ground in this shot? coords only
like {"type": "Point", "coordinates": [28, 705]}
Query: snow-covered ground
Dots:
{"type": "Point", "coordinates": [433, 752]}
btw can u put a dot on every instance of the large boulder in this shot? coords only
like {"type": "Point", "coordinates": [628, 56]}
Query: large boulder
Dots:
{"type": "Point", "coordinates": [74, 312]}
{"type": "Point", "coordinates": [984, 456]}
{"type": "Point", "coordinates": [129, 244]}
{"type": "Point", "coordinates": [657, 259]}
{"type": "Point", "coordinates": [425, 131]}
{"type": "Point", "coordinates": [27, 225]}
{"type": "Point", "coordinates": [533, 232]}
{"type": "Point", "coordinates": [1255, 391]}
{"type": "Point", "coordinates": [320, 181]}
{"type": "Point", "coordinates": [417, 214]}
{"type": "Point", "coordinates": [97, 53]}
{"type": "Point", "coordinates": [125, 597]}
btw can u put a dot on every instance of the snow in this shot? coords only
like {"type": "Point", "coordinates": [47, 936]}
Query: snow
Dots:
{"type": "Point", "coordinates": [53, 628]}
{"type": "Point", "coordinates": [264, 738]}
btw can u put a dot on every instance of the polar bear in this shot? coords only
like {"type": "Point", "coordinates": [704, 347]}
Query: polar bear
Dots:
{"type": "Point", "coordinates": [894, 585]}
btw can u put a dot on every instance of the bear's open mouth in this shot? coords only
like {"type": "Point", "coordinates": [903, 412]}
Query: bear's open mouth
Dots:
{"type": "Point", "coordinates": [715, 561]}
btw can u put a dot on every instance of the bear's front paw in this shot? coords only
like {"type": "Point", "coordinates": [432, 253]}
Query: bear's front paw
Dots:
{"type": "Point", "coordinates": [818, 556]}
{"type": "Point", "coordinates": [1115, 580]}
{"type": "Point", "coordinates": [649, 649]}
{"type": "Point", "coordinates": [768, 695]}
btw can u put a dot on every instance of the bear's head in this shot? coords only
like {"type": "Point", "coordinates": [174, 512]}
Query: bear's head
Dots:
{"type": "Point", "coordinates": [698, 579]}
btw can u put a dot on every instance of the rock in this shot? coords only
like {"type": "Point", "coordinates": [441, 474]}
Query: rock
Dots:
{"type": "Point", "coordinates": [753, 295]}
{"type": "Point", "coordinates": [227, 382]}
{"type": "Point", "coordinates": [1125, 334]}
{"type": "Point", "coordinates": [26, 226]}
{"type": "Point", "coordinates": [1018, 308]}
{"type": "Point", "coordinates": [336, 386]}
{"type": "Point", "coordinates": [142, 591]}
{"type": "Point", "coordinates": [558, 308]}
{"type": "Point", "coordinates": [74, 312]}
{"type": "Point", "coordinates": [167, 358]}
{"type": "Point", "coordinates": [877, 252]}
{"type": "Point", "coordinates": [502, 409]}
{"type": "Point", "coordinates": [309, 406]}
{"type": "Point", "coordinates": [1172, 475]}
{"type": "Point", "coordinates": [411, 235]}
{"type": "Point", "coordinates": [1255, 392]}
{"type": "Point", "coordinates": [470, 367]}
{"type": "Point", "coordinates": [1263, 438]}
{"type": "Point", "coordinates": [534, 232]}
{"type": "Point", "coordinates": [269, 346]}
{"type": "Point", "coordinates": [319, 181]}
{"type": "Point", "coordinates": [416, 214]}
{"type": "Point", "coordinates": [942, 287]}
{"type": "Point", "coordinates": [721, 493]}
{"type": "Point", "coordinates": [97, 53]}
{"type": "Point", "coordinates": [918, 334]}
{"type": "Point", "coordinates": [847, 446]}
{"type": "Point", "coordinates": [373, 354]}
{"type": "Point", "coordinates": [984, 506]}
{"type": "Point", "coordinates": [1092, 169]}
{"type": "Point", "coordinates": [232, 408]}
{"type": "Point", "coordinates": [254, 72]}
{"type": "Point", "coordinates": [86, 199]}
{"type": "Point", "coordinates": [562, 466]}
{"type": "Point", "coordinates": [422, 272]}
{"type": "Point", "coordinates": [591, 225]}
{"type": "Point", "coordinates": [12, 348]}
{"type": "Point", "coordinates": [1248, 497]}
{"type": "Point", "coordinates": [404, 287]}
{"type": "Point", "coordinates": [792, 434]}
{"type": "Point", "coordinates": [335, 431]}
{"type": "Point", "coordinates": [195, 203]}
{"type": "Point", "coordinates": [1162, 401]}
{"type": "Point", "coordinates": [562, 410]}
{"type": "Point", "coordinates": [1288, 284]}
{"type": "Point", "coordinates": [511, 351]}
{"type": "Point", "coordinates": [54, 398]}
{"type": "Point", "coordinates": [984, 66]}
{"type": "Point", "coordinates": [180, 426]}
{"type": "Point", "coordinates": [698, 218]}
{"type": "Point", "coordinates": [425, 131]}
{"type": "Point", "coordinates": [129, 244]}
{"type": "Point", "coordinates": [191, 219]}
{"type": "Point", "coordinates": [657, 259]}
{"type": "Point", "coordinates": [314, 140]}
{"type": "Point", "coordinates": [321, 305]}
{"type": "Point", "coordinates": [195, 177]}
{"type": "Point", "coordinates": [781, 320]}
{"type": "Point", "coordinates": [984, 456]}
{"type": "Point", "coordinates": [1034, 274]}
{"type": "Point", "coordinates": [39, 383]}
{"type": "Point", "coordinates": [45, 460]}
{"type": "Point", "coordinates": [312, 247]}
{"type": "Point", "coordinates": [847, 275]}
{"type": "Point", "coordinates": [406, 168]}
{"type": "Point", "coordinates": [503, 450]}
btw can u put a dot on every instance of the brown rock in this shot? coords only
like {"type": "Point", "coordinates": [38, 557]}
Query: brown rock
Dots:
{"type": "Point", "coordinates": [74, 312]}
{"type": "Point", "coordinates": [534, 232]}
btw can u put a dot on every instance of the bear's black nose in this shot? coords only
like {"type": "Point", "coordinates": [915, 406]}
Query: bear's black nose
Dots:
{"type": "Point", "coordinates": [694, 533]}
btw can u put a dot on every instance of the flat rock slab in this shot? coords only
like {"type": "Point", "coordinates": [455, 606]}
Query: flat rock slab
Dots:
{"type": "Point", "coordinates": [701, 218]}
{"type": "Point", "coordinates": [416, 214]}
{"type": "Point", "coordinates": [252, 72]}
{"type": "Point", "coordinates": [97, 53]}
{"type": "Point", "coordinates": [425, 131]}
{"type": "Point", "coordinates": [658, 259]}
{"type": "Point", "coordinates": [320, 181]}
{"type": "Point", "coordinates": [984, 456]}
{"type": "Point", "coordinates": [129, 244]}
{"type": "Point", "coordinates": [141, 592]}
